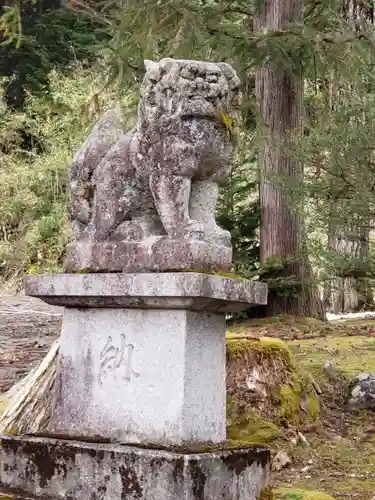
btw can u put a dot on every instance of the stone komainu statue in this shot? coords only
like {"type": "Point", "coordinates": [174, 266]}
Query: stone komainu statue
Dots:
{"type": "Point", "coordinates": [145, 200]}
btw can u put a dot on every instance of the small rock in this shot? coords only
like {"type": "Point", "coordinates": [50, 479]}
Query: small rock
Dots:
{"type": "Point", "coordinates": [363, 376]}
{"type": "Point", "coordinates": [302, 438]}
{"type": "Point", "coordinates": [281, 461]}
{"type": "Point", "coordinates": [40, 343]}
{"type": "Point", "coordinates": [330, 370]}
{"type": "Point", "coordinates": [316, 386]}
{"type": "Point", "coordinates": [337, 438]}
{"type": "Point", "coordinates": [361, 394]}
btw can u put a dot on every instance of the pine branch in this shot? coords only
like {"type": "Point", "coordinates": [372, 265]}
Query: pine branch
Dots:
{"type": "Point", "coordinates": [81, 6]}
{"type": "Point", "coordinates": [236, 11]}
{"type": "Point", "coordinates": [215, 31]}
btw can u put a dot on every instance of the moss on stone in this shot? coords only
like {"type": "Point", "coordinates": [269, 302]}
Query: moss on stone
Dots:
{"type": "Point", "coordinates": [266, 494]}
{"type": "Point", "coordinates": [264, 347]}
{"type": "Point", "coordinates": [227, 445]}
{"type": "Point", "coordinates": [290, 403]}
{"type": "Point", "coordinates": [218, 272]}
{"type": "Point", "coordinates": [237, 349]}
{"type": "Point", "coordinates": [313, 406]}
{"type": "Point", "coordinates": [251, 428]}
{"type": "Point", "coordinates": [296, 395]}
{"type": "Point", "coordinates": [297, 494]}
{"type": "Point", "coordinates": [290, 397]}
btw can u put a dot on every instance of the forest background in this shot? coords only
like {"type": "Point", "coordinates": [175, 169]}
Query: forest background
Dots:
{"type": "Point", "coordinates": [300, 203]}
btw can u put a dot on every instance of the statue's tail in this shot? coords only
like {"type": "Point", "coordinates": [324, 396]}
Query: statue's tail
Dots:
{"type": "Point", "coordinates": [105, 133]}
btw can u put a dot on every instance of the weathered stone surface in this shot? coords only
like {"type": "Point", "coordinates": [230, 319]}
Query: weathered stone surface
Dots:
{"type": "Point", "coordinates": [54, 469]}
{"type": "Point", "coordinates": [191, 291]}
{"type": "Point", "coordinates": [150, 255]}
{"type": "Point", "coordinates": [362, 391]}
{"type": "Point", "coordinates": [161, 180]}
{"type": "Point", "coordinates": [141, 376]}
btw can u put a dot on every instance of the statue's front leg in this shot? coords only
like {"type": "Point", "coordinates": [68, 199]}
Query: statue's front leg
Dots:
{"type": "Point", "coordinates": [171, 194]}
{"type": "Point", "coordinates": [203, 200]}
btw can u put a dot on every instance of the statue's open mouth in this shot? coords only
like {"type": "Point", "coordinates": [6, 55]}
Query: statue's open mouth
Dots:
{"type": "Point", "coordinates": [206, 109]}
{"type": "Point", "coordinates": [209, 118]}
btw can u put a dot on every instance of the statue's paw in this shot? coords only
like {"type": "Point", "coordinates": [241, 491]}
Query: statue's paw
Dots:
{"type": "Point", "coordinates": [192, 231]}
{"type": "Point", "coordinates": [219, 237]}
{"type": "Point", "coordinates": [128, 231]}
{"type": "Point", "coordinates": [224, 238]}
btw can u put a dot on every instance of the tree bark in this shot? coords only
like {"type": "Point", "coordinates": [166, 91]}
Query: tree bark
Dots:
{"type": "Point", "coordinates": [280, 99]}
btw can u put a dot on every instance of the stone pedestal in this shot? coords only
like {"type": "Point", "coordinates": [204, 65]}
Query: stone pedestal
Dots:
{"type": "Point", "coordinates": [56, 469]}
{"type": "Point", "coordinates": [142, 356]}
{"type": "Point", "coordinates": [153, 254]}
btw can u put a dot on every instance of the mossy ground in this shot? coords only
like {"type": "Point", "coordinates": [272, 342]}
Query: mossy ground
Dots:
{"type": "Point", "coordinates": [265, 389]}
{"type": "Point", "coordinates": [339, 457]}
{"type": "Point", "coordinates": [298, 494]}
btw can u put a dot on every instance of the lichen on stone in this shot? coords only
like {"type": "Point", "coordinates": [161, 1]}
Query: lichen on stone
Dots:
{"type": "Point", "coordinates": [218, 272]}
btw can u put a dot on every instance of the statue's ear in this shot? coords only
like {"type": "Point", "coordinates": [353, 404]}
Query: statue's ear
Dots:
{"type": "Point", "coordinates": [149, 65]}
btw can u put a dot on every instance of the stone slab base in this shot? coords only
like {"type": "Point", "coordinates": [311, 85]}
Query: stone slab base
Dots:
{"type": "Point", "coordinates": [57, 469]}
{"type": "Point", "coordinates": [190, 291]}
{"type": "Point", "coordinates": [154, 256]}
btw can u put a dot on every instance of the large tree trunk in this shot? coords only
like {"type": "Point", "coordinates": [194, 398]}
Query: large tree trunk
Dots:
{"type": "Point", "coordinates": [280, 99]}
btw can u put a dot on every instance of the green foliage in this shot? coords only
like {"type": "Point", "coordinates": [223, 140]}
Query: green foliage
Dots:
{"type": "Point", "coordinates": [278, 274]}
{"type": "Point", "coordinates": [33, 182]}
{"type": "Point", "coordinates": [37, 38]}
{"type": "Point", "coordinates": [238, 211]}
{"type": "Point", "coordinates": [11, 24]}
